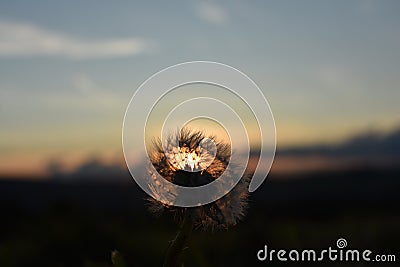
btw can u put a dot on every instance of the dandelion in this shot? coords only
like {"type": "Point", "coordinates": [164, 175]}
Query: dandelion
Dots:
{"type": "Point", "coordinates": [194, 163]}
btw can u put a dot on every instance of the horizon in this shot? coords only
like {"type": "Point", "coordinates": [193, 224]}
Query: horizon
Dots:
{"type": "Point", "coordinates": [382, 152]}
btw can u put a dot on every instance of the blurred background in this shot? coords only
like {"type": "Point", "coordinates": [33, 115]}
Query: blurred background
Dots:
{"type": "Point", "coordinates": [330, 71]}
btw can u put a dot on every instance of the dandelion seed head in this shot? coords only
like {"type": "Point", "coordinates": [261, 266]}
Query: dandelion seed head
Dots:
{"type": "Point", "coordinates": [197, 160]}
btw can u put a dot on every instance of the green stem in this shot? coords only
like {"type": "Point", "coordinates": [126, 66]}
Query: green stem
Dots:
{"type": "Point", "coordinates": [175, 251]}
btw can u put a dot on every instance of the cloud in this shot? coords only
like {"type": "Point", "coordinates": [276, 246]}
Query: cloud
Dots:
{"type": "Point", "coordinates": [212, 13]}
{"type": "Point", "coordinates": [90, 95]}
{"type": "Point", "coordinates": [22, 39]}
{"type": "Point", "coordinates": [366, 6]}
{"type": "Point", "coordinates": [82, 94]}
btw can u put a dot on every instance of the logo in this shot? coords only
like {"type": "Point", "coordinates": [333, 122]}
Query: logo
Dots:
{"type": "Point", "coordinates": [248, 142]}
{"type": "Point", "coordinates": [329, 254]}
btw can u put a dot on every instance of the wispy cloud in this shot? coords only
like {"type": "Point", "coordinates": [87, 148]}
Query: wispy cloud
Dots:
{"type": "Point", "coordinates": [82, 94]}
{"type": "Point", "coordinates": [366, 6]}
{"type": "Point", "coordinates": [212, 13]}
{"type": "Point", "coordinates": [23, 39]}
{"type": "Point", "coordinates": [92, 96]}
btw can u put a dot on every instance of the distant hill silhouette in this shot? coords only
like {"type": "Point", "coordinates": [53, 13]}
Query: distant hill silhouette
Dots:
{"type": "Point", "coordinates": [92, 170]}
{"type": "Point", "coordinates": [364, 145]}
{"type": "Point", "coordinates": [368, 149]}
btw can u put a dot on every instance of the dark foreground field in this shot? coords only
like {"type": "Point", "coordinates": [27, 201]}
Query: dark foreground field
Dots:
{"type": "Point", "coordinates": [56, 223]}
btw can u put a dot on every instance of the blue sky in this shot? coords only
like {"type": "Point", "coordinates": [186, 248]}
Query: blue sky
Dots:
{"type": "Point", "coordinates": [68, 69]}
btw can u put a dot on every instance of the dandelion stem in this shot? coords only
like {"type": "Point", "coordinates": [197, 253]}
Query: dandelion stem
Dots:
{"type": "Point", "coordinates": [175, 251]}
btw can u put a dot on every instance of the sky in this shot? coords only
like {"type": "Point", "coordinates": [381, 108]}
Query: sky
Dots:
{"type": "Point", "coordinates": [329, 69]}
